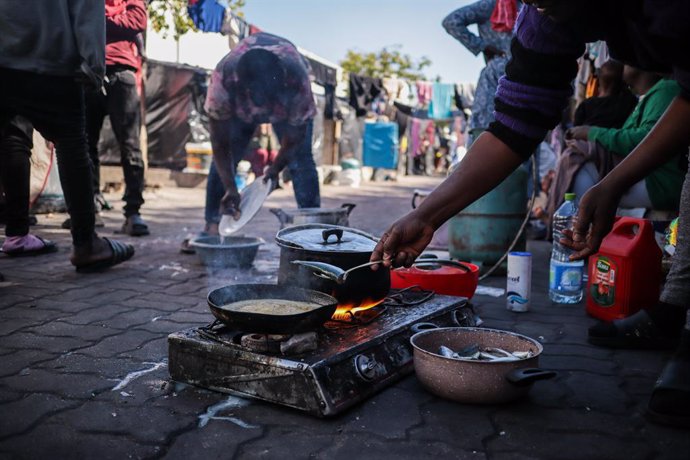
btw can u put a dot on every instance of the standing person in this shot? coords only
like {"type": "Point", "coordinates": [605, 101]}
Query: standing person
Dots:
{"type": "Point", "coordinates": [550, 36]}
{"type": "Point", "coordinates": [16, 141]}
{"type": "Point", "coordinates": [124, 21]}
{"type": "Point", "coordinates": [493, 44]}
{"type": "Point", "coordinates": [47, 52]}
{"type": "Point", "coordinates": [263, 79]}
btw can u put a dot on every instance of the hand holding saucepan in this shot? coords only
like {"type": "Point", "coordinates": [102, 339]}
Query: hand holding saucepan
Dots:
{"type": "Point", "coordinates": [403, 242]}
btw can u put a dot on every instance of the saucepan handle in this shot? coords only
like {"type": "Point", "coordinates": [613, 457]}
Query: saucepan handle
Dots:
{"type": "Point", "coordinates": [528, 375]}
{"type": "Point", "coordinates": [419, 327]}
{"type": "Point", "coordinates": [338, 232]}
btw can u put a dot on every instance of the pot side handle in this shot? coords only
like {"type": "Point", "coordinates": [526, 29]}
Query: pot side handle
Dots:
{"type": "Point", "coordinates": [419, 327]}
{"type": "Point", "coordinates": [281, 215]}
{"type": "Point", "coordinates": [349, 207]}
{"type": "Point", "coordinates": [529, 375]}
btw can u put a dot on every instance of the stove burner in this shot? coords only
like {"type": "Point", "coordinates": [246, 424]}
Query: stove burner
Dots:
{"type": "Point", "coordinates": [407, 297]}
{"type": "Point", "coordinates": [267, 343]}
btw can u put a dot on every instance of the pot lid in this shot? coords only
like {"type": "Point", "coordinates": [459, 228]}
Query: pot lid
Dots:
{"type": "Point", "coordinates": [326, 238]}
{"type": "Point", "coordinates": [344, 209]}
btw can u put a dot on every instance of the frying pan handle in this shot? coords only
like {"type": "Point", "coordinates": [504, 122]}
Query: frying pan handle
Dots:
{"type": "Point", "coordinates": [419, 327]}
{"type": "Point", "coordinates": [528, 375]}
{"type": "Point", "coordinates": [338, 232]}
{"type": "Point", "coordinates": [349, 207]}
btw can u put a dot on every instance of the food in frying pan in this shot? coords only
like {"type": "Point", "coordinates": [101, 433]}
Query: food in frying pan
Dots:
{"type": "Point", "coordinates": [271, 306]}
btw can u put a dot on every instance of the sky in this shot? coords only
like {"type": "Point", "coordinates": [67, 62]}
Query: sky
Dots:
{"type": "Point", "coordinates": [329, 28]}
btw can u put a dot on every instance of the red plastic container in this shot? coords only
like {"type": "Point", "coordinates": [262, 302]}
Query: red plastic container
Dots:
{"type": "Point", "coordinates": [444, 278]}
{"type": "Point", "coordinates": [625, 275]}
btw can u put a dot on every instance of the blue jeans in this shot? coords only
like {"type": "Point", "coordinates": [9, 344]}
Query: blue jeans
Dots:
{"type": "Point", "coordinates": [301, 166]}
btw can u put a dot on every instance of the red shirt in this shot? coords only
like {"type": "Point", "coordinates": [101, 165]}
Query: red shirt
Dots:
{"type": "Point", "coordinates": [124, 20]}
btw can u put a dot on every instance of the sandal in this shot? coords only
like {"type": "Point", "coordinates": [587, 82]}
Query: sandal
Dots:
{"type": "Point", "coordinates": [121, 252]}
{"type": "Point", "coordinates": [186, 247]}
{"type": "Point", "coordinates": [670, 400]}
{"type": "Point", "coordinates": [637, 331]}
{"type": "Point", "coordinates": [135, 226]}
{"type": "Point", "coordinates": [46, 248]}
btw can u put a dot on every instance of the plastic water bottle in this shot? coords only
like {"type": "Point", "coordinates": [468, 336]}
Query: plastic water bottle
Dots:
{"type": "Point", "coordinates": [565, 277]}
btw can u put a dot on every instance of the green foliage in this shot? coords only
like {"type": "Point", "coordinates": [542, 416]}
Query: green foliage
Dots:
{"type": "Point", "coordinates": [171, 16]}
{"type": "Point", "coordinates": [388, 62]}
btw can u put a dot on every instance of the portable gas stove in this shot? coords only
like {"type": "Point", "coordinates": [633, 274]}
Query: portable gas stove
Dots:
{"type": "Point", "coordinates": [352, 359]}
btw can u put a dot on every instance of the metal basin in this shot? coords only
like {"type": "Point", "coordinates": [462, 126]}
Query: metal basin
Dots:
{"type": "Point", "coordinates": [228, 252]}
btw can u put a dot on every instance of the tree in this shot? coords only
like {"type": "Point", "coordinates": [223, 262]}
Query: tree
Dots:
{"type": "Point", "coordinates": [171, 15]}
{"type": "Point", "coordinates": [388, 62]}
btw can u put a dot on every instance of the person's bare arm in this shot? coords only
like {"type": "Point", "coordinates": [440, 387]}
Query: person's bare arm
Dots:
{"type": "Point", "coordinates": [488, 162]}
{"type": "Point", "coordinates": [598, 205]}
{"type": "Point", "coordinates": [293, 137]}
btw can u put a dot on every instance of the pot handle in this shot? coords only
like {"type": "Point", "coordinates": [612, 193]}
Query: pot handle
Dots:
{"type": "Point", "coordinates": [429, 262]}
{"type": "Point", "coordinates": [281, 215]}
{"type": "Point", "coordinates": [416, 194]}
{"type": "Point", "coordinates": [349, 207]}
{"type": "Point", "coordinates": [338, 232]}
{"type": "Point", "coordinates": [419, 327]}
{"type": "Point", "coordinates": [528, 375]}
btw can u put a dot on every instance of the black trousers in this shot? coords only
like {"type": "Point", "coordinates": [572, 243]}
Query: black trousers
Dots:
{"type": "Point", "coordinates": [16, 141]}
{"type": "Point", "coordinates": [121, 104]}
{"type": "Point", "coordinates": [55, 107]}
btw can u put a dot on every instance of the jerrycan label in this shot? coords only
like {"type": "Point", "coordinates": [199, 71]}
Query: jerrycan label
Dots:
{"type": "Point", "coordinates": [603, 284]}
{"type": "Point", "coordinates": [565, 277]}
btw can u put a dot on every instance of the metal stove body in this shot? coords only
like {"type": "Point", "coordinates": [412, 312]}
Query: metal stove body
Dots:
{"type": "Point", "coordinates": [349, 365]}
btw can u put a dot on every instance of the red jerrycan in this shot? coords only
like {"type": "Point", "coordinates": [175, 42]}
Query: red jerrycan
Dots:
{"type": "Point", "coordinates": [625, 275]}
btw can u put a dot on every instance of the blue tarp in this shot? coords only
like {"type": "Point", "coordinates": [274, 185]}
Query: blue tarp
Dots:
{"type": "Point", "coordinates": [380, 145]}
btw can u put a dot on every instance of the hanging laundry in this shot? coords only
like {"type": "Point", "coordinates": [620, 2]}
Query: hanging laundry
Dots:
{"type": "Point", "coordinates": [236, 28]}
{"type": "Point", "coordinates": [363, 91]}
{"type": "Point", "coordinates": [441, 100]}
{"type": "Point", "coordinates": [504, 15]}
{"type": "Point", "coordinates": [424, 92]}
{"type": "Point", "coordinates": [207, 15]}
{"type": "Point", "coordinates": [327, 77]}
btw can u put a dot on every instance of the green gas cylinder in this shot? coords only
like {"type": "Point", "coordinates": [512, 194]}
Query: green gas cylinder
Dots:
{"type": "Point", "coordinates": [482, 232]}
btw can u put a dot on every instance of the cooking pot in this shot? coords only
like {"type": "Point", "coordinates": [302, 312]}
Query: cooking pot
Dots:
{"type": "Point", "coordinates": [341, 247]}
{"type": "Point", "coordinates": [220, 302]}
{"type": "Point", "coordinates": [331, 216]}
{"type": "Point", "coordinates": [447, 277]}
{"type": "Point", "coordinates": [472, 381]}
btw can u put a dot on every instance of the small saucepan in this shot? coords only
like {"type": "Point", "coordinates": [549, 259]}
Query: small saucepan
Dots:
{"type": "Point", "coordinates": [471, 381]}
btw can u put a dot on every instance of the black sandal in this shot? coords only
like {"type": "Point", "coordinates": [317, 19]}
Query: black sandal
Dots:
{"type": "Point", "coordinates": [636, 332]}
{"type": "Point", "coordinates": [121, 253]}
{"type": "Point", "coordinates": [670, 400]}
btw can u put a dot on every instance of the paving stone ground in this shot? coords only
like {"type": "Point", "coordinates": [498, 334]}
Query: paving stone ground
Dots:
{"type": "Point", "coordinates": [84, 373]}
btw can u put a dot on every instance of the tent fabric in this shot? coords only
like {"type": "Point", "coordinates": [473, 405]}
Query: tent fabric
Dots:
{"type": "Point", "coordinates": [381, 145]}
{"type": "Point", "coordinates": [174, 94]}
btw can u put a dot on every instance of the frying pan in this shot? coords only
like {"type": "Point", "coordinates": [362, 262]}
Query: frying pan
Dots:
{"type": "Point", "coordinates": [220, 300]}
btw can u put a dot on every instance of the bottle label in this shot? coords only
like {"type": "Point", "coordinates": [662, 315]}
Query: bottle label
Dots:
{"type": "Point", "coordinates": [565, 277]}
{"type": "Point", "coordinates": [603, 286]}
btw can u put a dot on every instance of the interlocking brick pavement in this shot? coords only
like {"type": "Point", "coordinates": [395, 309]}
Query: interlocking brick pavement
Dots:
{"type": "Point", "coordinates": [84, 358]}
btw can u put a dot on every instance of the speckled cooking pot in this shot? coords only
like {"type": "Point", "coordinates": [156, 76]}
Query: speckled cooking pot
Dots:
{"type": "Point", "coordinates": [476, 382]}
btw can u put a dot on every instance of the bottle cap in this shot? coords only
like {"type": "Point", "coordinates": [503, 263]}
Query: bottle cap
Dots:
{"type": "Point", "coordinates": [570, 196]}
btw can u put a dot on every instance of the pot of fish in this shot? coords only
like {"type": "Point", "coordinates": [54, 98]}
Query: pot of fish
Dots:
{"type": "Point", "coordinates": [476, 365]}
